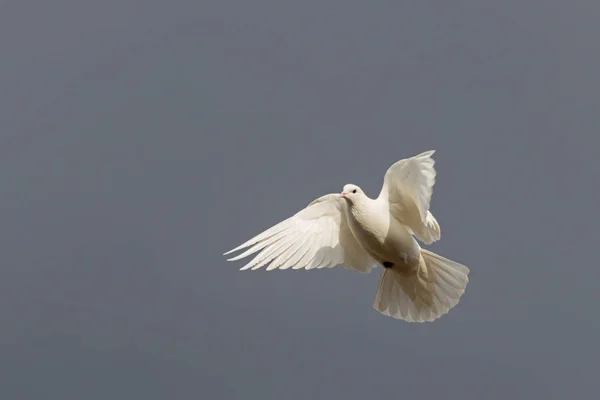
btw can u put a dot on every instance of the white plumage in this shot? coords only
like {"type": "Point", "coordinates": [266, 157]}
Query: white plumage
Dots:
{"type": "Point", "coordinates": [353, 230]}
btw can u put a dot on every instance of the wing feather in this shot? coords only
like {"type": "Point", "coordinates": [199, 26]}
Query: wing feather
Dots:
{"type": "Point", "coordinates": [407, 187]}
{"type": "Point", "coordinates": [317, 236]}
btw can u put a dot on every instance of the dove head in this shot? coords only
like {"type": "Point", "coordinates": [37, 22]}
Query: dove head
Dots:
{"type": "Point", "coordinates": [352, 193]}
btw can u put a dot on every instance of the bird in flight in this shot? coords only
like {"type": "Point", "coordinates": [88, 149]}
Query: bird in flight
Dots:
{"type": "Point", "coordinates": [352, 230]}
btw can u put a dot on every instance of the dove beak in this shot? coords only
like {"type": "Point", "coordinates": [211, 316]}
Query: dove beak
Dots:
{"type": "Point", "coordinates": [343, 194]}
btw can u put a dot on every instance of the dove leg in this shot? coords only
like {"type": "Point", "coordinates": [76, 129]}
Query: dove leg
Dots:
{"type": "Point", "coordinates": [389, 264]}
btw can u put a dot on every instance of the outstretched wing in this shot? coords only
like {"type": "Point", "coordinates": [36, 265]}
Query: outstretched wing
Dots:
{"type": "Point", "coordinates": [407, 187]}
{"type": "Point", "coordinates": [316, 237]}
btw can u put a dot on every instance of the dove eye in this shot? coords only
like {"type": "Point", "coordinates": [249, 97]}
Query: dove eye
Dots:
{"type": "Point", "coordinates": [354, 191]}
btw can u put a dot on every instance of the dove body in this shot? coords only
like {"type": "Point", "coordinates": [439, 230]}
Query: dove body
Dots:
{"type": "Point", "coordinates": [386, 240]}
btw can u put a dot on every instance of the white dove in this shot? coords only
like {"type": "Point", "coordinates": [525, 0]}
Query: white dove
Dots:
{"type": "Point", "coordinates": [353, 230]}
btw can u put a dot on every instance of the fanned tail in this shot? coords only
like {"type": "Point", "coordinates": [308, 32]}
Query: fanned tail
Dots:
{"type": "Point", "coordinates": [424, 295]}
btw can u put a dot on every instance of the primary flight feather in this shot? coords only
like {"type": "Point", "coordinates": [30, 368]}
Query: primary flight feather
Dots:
{"type": "Point", "coordinates": [353, 230]}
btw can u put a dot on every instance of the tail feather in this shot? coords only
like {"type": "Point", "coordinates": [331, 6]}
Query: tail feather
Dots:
{"type": "Point", "coordinates": [424, 295]}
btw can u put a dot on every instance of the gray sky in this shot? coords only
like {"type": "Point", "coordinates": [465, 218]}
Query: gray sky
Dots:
{"type": "Point", "coordinates": [141, 140]}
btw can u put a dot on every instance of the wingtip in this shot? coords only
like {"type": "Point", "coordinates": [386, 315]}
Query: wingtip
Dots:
{"type": "Point", "coordinates": [236, 258]}
{"type": "Point", "coordinates": [236, 249]}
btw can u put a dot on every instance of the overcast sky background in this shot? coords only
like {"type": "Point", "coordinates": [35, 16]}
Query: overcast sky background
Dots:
{"type": "Point", "coordinates": [139, 140]}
